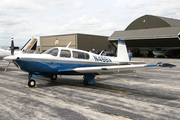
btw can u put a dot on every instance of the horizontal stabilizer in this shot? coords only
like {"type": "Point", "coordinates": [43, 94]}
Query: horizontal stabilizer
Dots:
{"type": "Point", "coordinates": [166, 65]}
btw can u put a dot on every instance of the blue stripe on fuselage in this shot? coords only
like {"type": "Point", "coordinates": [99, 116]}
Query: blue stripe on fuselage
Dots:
{"type": "Point", "coordinates": [50, 67]}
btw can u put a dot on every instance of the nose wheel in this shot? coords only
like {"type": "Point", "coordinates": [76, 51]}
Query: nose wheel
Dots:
{"type": "Point", "coordinates": [31, 83]}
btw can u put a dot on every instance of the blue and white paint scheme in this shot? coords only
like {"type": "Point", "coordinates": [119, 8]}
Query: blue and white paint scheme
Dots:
{"type": "Point", "coordinates": [67, 61]}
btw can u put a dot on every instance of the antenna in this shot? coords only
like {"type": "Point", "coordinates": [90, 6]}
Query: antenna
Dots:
{"type": "Point", "coordinates": [101, 52]}
{"type": "Point", "coordinates": [68, 45]}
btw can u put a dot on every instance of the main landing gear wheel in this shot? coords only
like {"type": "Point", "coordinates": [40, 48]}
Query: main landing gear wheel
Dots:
{"type": "Point", "coordinates": [85, 83]}
{"type": "Point", "coordinates": [53, 77]}
{"type": "Point", "coordinates": [31, 83]}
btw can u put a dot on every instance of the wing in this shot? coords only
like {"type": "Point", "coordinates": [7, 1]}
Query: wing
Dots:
{"type": "Point", "coordinates": [120, 68]}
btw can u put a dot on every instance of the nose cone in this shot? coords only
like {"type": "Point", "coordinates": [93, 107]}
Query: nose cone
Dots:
{"type": "Point", "coordinates": [10, 58]}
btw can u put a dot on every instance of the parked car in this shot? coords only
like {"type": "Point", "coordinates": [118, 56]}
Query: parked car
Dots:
{"type": "Point", "coordinates": [159, 53]}
{"type": "Point", "coordinates": [108, 53]}
{"type": "Point", "coordinates": [172, 53]}
{"type": "Point", "coordinates": [95, 51]}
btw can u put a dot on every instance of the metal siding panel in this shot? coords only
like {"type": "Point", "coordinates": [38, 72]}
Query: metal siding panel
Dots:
{"type": "Point", "coordinates": [169, 32]}
{"type": "Point", "coordinates": [157, 43]}
{"type": "Point", "coordinates": [89, 42]}
{"type": "Point", "coordinates": [63, 40]}
{"type": "Point", "coordinates": [49, 41]}
{"type": "Point", "coordinates": [150, 22]}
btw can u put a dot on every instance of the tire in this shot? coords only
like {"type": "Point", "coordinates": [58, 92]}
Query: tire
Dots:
{"type": "Point", "coordinates": [31, 83]}
{"type": "Point", "coordinates": [85, 83]}
{"type": "Point", "coordinates": [53, 77]}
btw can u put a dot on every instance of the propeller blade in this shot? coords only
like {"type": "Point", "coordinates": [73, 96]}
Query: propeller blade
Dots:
{"type": "Point", "coordinates": [12, 47]}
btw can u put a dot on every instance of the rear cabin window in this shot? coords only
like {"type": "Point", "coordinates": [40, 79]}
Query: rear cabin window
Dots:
{"type": "Point", "coordinates": [65, 53]}
{"type": "Point", "coordinates": [53, 52]}
{"type": "Point", "coordinates": [80, 55]}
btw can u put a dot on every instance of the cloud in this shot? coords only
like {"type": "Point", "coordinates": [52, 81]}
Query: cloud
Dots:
{"type": "Point", "coordinates": [118, 2]}
{"type": "Point", "coordinates": [130, 4]}
{"type": "Point", "coordinates": [78, 5]}
{"type": "Point", "coordinates": [88, 25]}
{"type": "Point", "coordinates": [135, 4]}
{"type": "Point", "coordinates": [21, 6]}
{"type": "Point", "coordinates": [165, 8]}
{"type": "Point", "coordinates": [40, 6]}
{"type": "Point", "coordinates": [64, 4]}
{"type": "Point", "coordinates": [81, 24]}
{"type": "Point", "coordinates": [26, 18]}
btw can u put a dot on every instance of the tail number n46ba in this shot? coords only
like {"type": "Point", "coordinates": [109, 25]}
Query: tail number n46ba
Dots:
{"type": "Point", "coordinates": [101, 58]}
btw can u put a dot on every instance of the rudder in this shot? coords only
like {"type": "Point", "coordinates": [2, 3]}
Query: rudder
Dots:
{"type": "Point", "coordinates": [30, 45]}
{"type": "Point", "coordinates": [122, 54]}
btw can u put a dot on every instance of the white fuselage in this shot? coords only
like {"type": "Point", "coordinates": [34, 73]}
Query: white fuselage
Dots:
{"type": "Point", "coordinates": [4, 53]}
{"type": "Point", "coordinates": [59, 59]}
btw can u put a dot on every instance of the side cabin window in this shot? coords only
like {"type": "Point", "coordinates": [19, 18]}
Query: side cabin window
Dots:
{"type": "Point", "coordinates": [65, 53]}
{"type": "Point", "coordinates": [80, 55]}
{"type": "Point", "coordinates": [53, 52]}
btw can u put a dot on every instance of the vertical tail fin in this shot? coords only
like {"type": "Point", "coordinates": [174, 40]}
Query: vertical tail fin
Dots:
{"type": "Point", "coordinates": [122, 54]}
{"type": "Point", "coordinates": [30, 45]}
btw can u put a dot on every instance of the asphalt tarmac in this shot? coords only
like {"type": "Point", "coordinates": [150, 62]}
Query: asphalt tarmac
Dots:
{"type": "Point", "coordinates": [144, 95]}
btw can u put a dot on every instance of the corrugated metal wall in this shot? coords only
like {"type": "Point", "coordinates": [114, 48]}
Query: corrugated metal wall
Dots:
{"type": "Point", "coordinates": [89, 42]}
{"type": "Point", "coordinates": [47, 42]}
{"type": "Point", "coordinates": [78, 41]}
{"type": "Point", "coordinates": [146, 22]}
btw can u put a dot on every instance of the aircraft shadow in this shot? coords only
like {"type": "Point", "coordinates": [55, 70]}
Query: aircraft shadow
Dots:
{"type": "Point", "coordinates": [107, 87]}
{"type": "Point", "coordinates": [8, 70]}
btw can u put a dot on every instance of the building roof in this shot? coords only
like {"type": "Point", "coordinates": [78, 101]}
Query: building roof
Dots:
{"type": "Point", "coordinates": [149, 27]}
{"type": "Point", "coordinates": [154, 33]}
{"type": "Point", "coordinates": [72, 34]}
{"type": "Point", "coordinates": [150, 21]}
{"type": "Point", "coordinates": [172, 22]}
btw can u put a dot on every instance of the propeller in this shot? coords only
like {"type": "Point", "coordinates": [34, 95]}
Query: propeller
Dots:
{"type": "Point", "coordinates": [12, 53]}
{"type": "Point", "coordinates": [12, 47]}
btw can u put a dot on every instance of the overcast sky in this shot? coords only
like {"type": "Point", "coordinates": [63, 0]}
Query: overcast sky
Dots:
{"type": "Point", "coordinates": [23, 19]}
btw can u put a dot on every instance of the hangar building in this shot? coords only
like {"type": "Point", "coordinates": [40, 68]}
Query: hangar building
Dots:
{"type": "Point", "coordinates": [78, 41]}
{"type": "Point", "coordinates": [150, 32]}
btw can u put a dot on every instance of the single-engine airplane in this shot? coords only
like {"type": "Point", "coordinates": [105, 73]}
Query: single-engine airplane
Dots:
{"type": "Point", "coordinates": [67, 61]}
{"type": "Point", "coordinates": [30, 45]}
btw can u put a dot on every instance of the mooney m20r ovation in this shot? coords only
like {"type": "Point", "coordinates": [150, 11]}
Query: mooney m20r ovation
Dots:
{"type": "Point", "coordinates": [67, 61]}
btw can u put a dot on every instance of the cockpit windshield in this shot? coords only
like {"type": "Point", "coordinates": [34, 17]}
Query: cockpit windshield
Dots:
{"type": "Point", "coordinates": [53, 51]}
